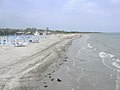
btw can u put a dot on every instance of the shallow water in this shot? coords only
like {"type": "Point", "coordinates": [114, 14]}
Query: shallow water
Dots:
{"type": "Point", "coordinates": [92, 64]}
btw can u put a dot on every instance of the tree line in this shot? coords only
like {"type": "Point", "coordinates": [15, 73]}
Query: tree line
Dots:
{"type": "Point", "coordinates": [9, 31]}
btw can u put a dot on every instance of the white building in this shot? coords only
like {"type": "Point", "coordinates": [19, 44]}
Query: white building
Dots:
{"type": "Point", "coordinates": [36, 33]}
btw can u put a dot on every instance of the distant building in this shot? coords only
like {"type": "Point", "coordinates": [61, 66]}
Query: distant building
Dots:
{"type": "Point", "coordinates": [36, 33]}
{"type": "Point", "coordinates": [28, 33]}
{"type": "Point", "coordinates": [19, 33]}
{"type": "Point", "coordinates": [47, 33]}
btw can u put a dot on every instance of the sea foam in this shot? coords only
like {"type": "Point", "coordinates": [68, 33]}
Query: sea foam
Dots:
{"type": "Point", "coordinates": [111, 57]}
{"type": "Point", "coordinates": [89, 46]}
{"type": "Point", "coordinates": [106, 55]}
{"type": "Point", "coordinates": [116, 65]}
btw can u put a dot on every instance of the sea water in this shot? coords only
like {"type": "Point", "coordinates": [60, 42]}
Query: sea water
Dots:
{"type": "Point", "coordinates": [93, 63]}
{"type": "Point", "coordinates": [108, 46]}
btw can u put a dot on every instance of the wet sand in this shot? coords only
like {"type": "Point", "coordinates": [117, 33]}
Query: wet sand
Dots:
{"type": "Point", "coordinates": [31, 67]}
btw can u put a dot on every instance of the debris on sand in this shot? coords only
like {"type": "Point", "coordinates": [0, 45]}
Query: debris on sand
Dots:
{"type": "Point", "coordinates": [49, 76]}
{"type": "Point", "coordinates": [66, 57]}
{"type": "Point", "coordinates": [45, 86]}
{"type": "Point", "coordinates": [52, 79]}
{"type": "Point", "coordinates": [81, 60]}
{"type": "Point", "coordinates": [65, 60]}
{"type": "Point", "coordinates": [45, 75]}
{"type": "Point", "coordinates": [59, 80]}
{"type": "Point", "coordinates": [53, 71]}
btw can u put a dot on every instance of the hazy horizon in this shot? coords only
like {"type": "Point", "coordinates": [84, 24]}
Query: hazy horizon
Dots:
{"type": "Point", "coordinates": [68, 15]}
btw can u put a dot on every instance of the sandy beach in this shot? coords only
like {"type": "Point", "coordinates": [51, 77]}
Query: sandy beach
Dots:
{"type": "Point", "coordinates": [24, 68]}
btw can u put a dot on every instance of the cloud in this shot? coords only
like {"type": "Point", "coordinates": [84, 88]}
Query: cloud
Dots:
{"type": "Point", "coordinates": [82, 6]}
{"type": "Point", "coordinates": [114, 1]}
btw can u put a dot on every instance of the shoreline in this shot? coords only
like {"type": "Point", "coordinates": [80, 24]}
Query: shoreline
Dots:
{"type": "Point", "coordinates": [25, 71]}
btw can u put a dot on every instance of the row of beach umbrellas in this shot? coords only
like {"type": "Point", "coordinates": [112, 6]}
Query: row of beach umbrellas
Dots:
{"type": "Point", "coordinates": [17, 40]}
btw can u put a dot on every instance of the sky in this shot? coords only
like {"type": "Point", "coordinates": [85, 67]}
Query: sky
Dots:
{"type": "Point", "coordinates": [68, 15]}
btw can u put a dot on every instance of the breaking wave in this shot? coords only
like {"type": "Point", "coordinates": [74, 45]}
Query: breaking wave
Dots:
{"type": "Point", "coordinates": [110, 60]}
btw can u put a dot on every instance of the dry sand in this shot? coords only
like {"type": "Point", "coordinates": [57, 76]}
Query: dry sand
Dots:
{"type": "Point", "coordinates": [25, 68]}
